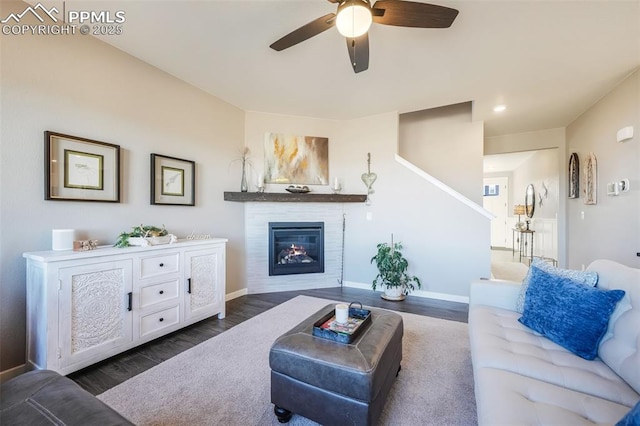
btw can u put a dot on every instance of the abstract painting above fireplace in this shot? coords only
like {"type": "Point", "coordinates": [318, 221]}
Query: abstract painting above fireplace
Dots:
{"type": "Point", "coordinates": [296, 248]}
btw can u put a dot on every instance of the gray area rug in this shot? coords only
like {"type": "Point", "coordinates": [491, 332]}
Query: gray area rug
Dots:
{"type": "Point", "coordinates": [225, 380]}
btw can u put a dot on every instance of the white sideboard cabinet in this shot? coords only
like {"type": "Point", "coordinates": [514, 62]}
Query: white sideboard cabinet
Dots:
{"type": "Point", "coordinates": [83, 307]}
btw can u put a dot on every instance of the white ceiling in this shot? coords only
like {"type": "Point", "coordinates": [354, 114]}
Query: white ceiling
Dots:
{"type": "Point", "coordinates": [547, 60]}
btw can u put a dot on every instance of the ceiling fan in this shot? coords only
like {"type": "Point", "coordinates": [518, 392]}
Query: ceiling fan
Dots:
{"type": "Point", "coordinates": [354, 17]}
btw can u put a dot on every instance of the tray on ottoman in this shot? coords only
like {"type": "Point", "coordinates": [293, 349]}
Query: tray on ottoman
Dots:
{"type": "Point", "coordinates": [327, 327]}
{"type": "Point", "coordinates": [333, 383]}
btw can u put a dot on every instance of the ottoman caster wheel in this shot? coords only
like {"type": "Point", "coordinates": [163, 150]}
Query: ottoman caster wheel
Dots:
{"type": "Point", "coordinates": [282, 414]}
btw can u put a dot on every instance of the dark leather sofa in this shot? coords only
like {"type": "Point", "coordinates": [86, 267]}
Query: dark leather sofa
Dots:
{"type": "Point", "coordinates": [43, 397]}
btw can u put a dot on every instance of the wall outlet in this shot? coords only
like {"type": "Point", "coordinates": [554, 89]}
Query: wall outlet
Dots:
{"type": "Point", "coordinates": [582, 215]}
{"type": "Point", "coordinates": [369, 216]}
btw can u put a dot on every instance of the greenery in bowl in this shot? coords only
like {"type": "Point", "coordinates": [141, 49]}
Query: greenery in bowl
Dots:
{"type": "Point", "coordinates": [392, 268]}
{"type": "Point", "coordinates": [144, 231]}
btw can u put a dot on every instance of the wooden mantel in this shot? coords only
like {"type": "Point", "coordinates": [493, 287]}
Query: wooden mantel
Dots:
{"type": "Point", "coordinates": [286, 197]}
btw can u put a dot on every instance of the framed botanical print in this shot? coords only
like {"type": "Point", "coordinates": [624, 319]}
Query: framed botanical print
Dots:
{"type": "Point", "coordinates": [172, 181]}
{"type": "Point", "coordinates": [80, 169]}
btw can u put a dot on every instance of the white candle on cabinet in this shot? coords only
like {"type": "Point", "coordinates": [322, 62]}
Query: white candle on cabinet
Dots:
{"type": "Point", "coordinates": [62, 239]}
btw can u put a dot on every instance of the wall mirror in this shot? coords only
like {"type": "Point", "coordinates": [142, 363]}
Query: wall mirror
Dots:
{"type": "Point", "coordinates": [530, 201]}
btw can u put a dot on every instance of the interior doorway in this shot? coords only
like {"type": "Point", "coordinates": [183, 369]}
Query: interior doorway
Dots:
{"type": "Point", "coordinates": [515, 172]}
{"type": "Point", "coordinates": [495, 199]}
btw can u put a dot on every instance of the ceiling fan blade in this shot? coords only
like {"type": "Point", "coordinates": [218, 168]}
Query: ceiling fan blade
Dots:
{"type": "Point", "coordinates": [359, 52]}
{"type": "Point", "coordinates": [305, 32]}
{"type": "Point", "coordinates": [411, 14]}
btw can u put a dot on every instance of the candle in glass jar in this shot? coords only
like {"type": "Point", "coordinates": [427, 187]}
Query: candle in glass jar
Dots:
{"type": "Point", "coordinates": [342, 313]}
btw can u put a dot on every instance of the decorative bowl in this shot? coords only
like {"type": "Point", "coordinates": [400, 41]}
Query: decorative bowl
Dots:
{"type": "Point", "coordinates": [298, 189]}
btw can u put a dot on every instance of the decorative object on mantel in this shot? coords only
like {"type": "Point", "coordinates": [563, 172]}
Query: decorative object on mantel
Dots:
{"type": "Point", "coordinates": [298, 189]}
{"type": "Point", "coordinates": [246, 163]}
{"type": "Point", "coordinates": [84, 245]}
{"type": "Point", "coordinates": [145, 235]}
{"type": "Point", "coordinates": [173, 181]}
{"type": "Point", "coordinates": [336, 188]}
{"type": "Point", "coordinates": [369, 178]}
{"type": "Point", "coordinates": [590, 179]}
{"type": "Point", "coordinates": [285, 197]}
{"type": "Point", "coordinates": [294, 159]}
{"type": "Point", "coordinates": [260, 185]}
{"type": "Point", "coordinates": [392, 272]}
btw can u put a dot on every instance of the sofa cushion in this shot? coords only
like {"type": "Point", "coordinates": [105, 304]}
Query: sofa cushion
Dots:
{"type": "Point", "coordinates": [589, 278]}
{"type": "Point", "coordinates": [570, 314]}
{"type": "Point", "coordinates": [499, 341]}
{"type": "Point", "coordinates": [620, 346]}
{"type": "Point", "coordinates": [632, 418]}
{"type": "Point", "coordinates": [505, 398]}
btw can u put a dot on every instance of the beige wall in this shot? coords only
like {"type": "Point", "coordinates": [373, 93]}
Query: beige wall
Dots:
{"type": "Point", "coordinates": [541, 170]}
{"type": "Point", "coordinates": [433, 226]}
{"type": "Point", "coordinates": [81, 86]}
{"type": "Point", "coordinates": [528, 141]}
{"type": "Point", "coordinates": [611, 228]}
{"type": "Point", "coordinates": [439, 141]}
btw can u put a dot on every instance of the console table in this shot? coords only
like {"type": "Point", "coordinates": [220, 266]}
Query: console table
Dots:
{"type": "Point", "coordinates": [524, 236]}
{"type": "Point", "coordinates": [83, 307]}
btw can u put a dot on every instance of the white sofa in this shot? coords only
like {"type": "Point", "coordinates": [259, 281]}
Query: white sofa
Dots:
{"type": "Point", "coordinates": [522, 378]}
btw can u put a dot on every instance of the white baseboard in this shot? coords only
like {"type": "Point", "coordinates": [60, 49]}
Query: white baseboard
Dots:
{"type": "Point", "coordinates": [417, 293]}
{"type": "Point", "coordinates": [11, 373]}
{"type": "Point", "coordinates": [235, 294]}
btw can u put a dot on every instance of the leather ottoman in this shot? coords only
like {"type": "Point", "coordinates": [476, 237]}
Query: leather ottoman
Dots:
{"type": "Point", "coordinates": [335, 383]}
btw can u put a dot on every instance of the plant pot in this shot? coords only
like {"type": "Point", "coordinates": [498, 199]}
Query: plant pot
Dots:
{"type": "Point", "coordinates": [393, 293]}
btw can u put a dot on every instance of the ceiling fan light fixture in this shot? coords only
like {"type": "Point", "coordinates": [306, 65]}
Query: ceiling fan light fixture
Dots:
{"type": "Point", "coordinates": [354, 18]}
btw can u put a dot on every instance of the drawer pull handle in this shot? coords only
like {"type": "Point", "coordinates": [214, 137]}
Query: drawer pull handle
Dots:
{"type": "Point", "coordinates": [161, 291]}
{"type": "Point", "coordinates": [161, 319]}
{"type": "Point", "coordinates": [161, 265]}
{"type": "Point", "coordinates": [189, 285]}
{"type": "Point", "coordinates": [130, 301]}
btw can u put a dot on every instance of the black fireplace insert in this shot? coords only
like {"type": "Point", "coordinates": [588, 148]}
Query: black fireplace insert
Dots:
{"type": "Point", "coordinates": [296, 248]}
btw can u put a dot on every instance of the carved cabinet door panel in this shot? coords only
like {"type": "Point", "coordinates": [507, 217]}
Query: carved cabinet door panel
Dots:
{"type": "Point", "coordinates": [95, 316]}
{"type": "Point", "coordinates": [205, 274]}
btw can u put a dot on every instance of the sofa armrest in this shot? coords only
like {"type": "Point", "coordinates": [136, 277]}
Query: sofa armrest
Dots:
{"type": "Point", "coordinates": [45, 397]}
{"type": "Point", "coordinates": [498, 293]}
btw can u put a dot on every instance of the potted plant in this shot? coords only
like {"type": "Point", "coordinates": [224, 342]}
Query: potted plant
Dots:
{"type": "Point", "coordinates": [392, 272]}
{"type": "Point", "coordinates": [145, 235]}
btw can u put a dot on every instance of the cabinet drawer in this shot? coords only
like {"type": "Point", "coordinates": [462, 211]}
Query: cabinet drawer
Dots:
{"type": "Point", "coordinates": [159, 320]}
{"type": "Point", "coordinates": [158, 293]}
{"type": "Point", "coordinates": [165, 263]}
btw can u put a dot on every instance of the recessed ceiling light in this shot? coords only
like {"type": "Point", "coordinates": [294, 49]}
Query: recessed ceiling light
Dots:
{"type": "Point", "coordinates": [499, 108]}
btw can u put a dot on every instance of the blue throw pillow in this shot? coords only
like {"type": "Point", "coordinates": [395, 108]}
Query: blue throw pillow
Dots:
{"type": "Point", "coordinates": [589, 278]}
{"type": "Point", "coordinates": [632, 418]}
{"type": "Point", "coordinates": [568, 313]}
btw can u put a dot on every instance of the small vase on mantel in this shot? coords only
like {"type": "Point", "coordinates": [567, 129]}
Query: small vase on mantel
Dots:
{"type": "Point", "coordinates": [244, 187]}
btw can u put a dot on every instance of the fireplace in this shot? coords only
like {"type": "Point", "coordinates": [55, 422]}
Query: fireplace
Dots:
{"type": "Point", "coordinates": [296, 248]}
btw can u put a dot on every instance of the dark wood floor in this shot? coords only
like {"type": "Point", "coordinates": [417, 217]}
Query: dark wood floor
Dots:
{"type": "Point", "coordinates": [113, 371]}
